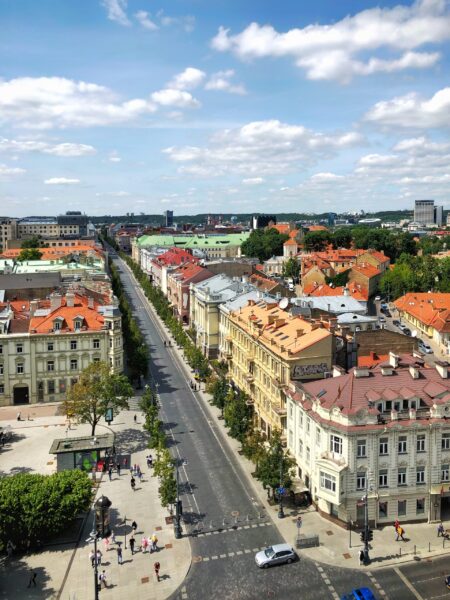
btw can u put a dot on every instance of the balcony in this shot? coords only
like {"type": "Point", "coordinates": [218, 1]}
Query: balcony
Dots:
{"type": "Point", "coordinates": [249, 377]}
{"type": "Point", "coordinates": [280, 411]}
{"type": "Point", "coordinates": [337, 459]}
{"type": "Point", "coordinates": [279, 384]}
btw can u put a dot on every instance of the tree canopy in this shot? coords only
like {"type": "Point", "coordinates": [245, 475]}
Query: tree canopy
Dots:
{"type": "Point", "coordinates": [97, 390]}
{"type": "Point", "coordinates": [275, 466]}
{"type": "Point", "coordinates": [416, 274]}
{"type": "Point", "coordinates": [291, 268]}
{"type": "Point", "coordinates": [264, 243]}
{"type": "Point", "coordinates": [29, 254]}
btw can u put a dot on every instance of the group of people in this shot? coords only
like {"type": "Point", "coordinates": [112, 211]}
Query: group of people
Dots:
{"type": "Point", "coordinates": [135, 471]}
{"type": "Point", "coordinates": [169, 343]}
{"type": "Point", "coordinates": [194, 386]}
{"type": "Point", "coordinates": [399, 531]}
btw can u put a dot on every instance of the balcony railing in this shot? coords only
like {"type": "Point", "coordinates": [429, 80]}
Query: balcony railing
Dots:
{"type": "Point", "coordinates": [336, 458]}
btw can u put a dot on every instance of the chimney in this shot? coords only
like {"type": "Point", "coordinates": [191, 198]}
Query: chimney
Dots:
{"type": "Point", "coordinates": [412, 414]}
{"type": "Point", "coordinates": [387, 370]}
{"type": "Point", "coordinates": [90, 302]}
{"type": "Point", "coordinates": [298, 333]}
{"type": "Point", "coordinates": [394, 415]}
{"type": "Point", "coordinates": [361, 372]}
{"type": "Point", "coordinates": [55, 301]}
{"type": "Point", "coordinates": [414, 372]}
{"type": "Point", "coordinates": [442, 368]}
{"type": "Point", "coordinates": [34, 305]}
{"type": "Point", "coordinates": [70, 299]}
{"type": "Point", "coordinates": [346, 291]}
{"type": "Point", "coordinates": [393, 359]}
{"type": "Point", "coordinates": [338, 371]}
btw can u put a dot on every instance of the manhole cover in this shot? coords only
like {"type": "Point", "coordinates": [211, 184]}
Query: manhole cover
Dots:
{"type": "Point", "coordinates": [158, 528]}
{"type": "Point", "coordinates": [196, 559]}
{"type": "Point", "coordinates": [168, 546]}
{"type": "Point", "coordinates": [145, 579]}
{"type": "Point", "coordinates": [329, 532]}
{"type": "Point", "coordinates": [347, 555]}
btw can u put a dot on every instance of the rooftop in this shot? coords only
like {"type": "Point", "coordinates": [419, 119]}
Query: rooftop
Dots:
{"type": "Point", "coordinates": [193, 241]}
{"type": "Point", "coordinates": [431, 309]}
{"type": "Point", "coordinates": [78, 444]}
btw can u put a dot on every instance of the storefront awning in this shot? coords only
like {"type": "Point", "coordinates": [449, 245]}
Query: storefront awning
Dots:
{"type": "Point", "coordinates": [439, 488]}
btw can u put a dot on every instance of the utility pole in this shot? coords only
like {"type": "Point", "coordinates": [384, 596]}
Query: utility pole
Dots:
{"type": "Point", "coordinates": [178, 511]}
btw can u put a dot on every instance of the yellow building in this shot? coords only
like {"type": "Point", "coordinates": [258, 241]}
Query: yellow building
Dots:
{"type": "Point", "coordinates": [269, 348]}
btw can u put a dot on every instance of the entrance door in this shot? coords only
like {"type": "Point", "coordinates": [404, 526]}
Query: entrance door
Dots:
{"type": "Point", "coordinates": [445, 508]}
{"type": "Point", "coordinates": [360, 513]}
{"type": "Point", "coordinates": [21, 395]}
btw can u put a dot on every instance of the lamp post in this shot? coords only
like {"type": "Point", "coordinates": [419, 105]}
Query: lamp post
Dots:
{"type": "Point", "coordinates": [178, 511]}
{"type": "Point", "coordinates": [366, 520]}
{"type": "Point", "coordinates": [281, 488]}
{"type": "Point", "coordinates": [94, 535]}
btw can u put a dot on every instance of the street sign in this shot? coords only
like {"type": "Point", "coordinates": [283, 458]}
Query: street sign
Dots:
{"type": "Point", "coordinates": [109, 415]}
{"type": "Point", "coordinates": [299, 523]}
{"type": "Point", "coordinates": [281, 490]}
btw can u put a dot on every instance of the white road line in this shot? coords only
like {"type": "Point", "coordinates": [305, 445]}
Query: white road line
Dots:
{"type": "Point", "coordinates": [408, 584]}
{"type": "Point", "coordinates": [327, 581]}
{"type": "Point", "coordinates": [239, 552]}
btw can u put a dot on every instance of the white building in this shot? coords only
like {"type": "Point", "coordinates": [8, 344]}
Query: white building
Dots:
{"type": "Point", "coordinates": [384, 426]}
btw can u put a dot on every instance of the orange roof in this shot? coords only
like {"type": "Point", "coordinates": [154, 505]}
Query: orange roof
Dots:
{"type": "Point", "coordinates": [317, 228]}
{"type": "Point", "coordinates": [293, 233]}
{"type": "Point", "coordinates": [372, 359]}
{"type": "Point", "coordinates": [366, 269]}
{"type": "Point", "coordinates": [262, 282]}
{"type": "Point", "coordinates": [55, 253]}
{"type": "Point", "coordinates": [282, 228]}
{"type": "Point", "coordinates": [92, 319]}
{"type": "Point", "coordinates": [432, 310]}
{"type": "Point", "coordinates": [379, 256]}
{"type": "Point", "coordinates": [290, 242]}
{"type": "Point", "coordinates": [323, 290]}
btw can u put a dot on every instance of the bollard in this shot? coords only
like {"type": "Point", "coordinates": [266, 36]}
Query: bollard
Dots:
{"type": "Point", "coordinates": [414, 549]}
{"type": "Point", "coordinates": [429, 546]}
{"type": "Point", "coordinates": [400, 550]}
{"type": "Point", "coordinates": [248, 518]}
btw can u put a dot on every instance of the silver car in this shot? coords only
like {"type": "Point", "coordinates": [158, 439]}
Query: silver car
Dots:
{"type": "Point", "coordinates": [275, 555]}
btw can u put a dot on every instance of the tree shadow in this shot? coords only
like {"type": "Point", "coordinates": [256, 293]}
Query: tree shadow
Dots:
{"type": "Point", "coordinates": [16, 471]}
{"type": "Point", "coordinates": [15, 575]}
{"type": "Point", "coordinates": [131, 440]}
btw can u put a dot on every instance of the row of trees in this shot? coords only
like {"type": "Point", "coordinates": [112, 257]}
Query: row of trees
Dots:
{"type": "Point", "coordinates": [416, 274]}
{"type": "Point", "coordinates": [34, 508]}
{"type": "Point", "coordinates": [272, 464]}
{"type": "Point", "coordinates": [135, 347]}
{"type": "Point", "coordinates": [264, 243]}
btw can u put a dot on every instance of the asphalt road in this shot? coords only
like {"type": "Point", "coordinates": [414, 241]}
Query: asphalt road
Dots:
{"type": "Point", "coordinates": [218, 503]}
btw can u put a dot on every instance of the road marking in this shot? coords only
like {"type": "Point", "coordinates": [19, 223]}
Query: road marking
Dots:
{"type": "Point", "coordinates": [230, 553]}
{"type": "Point", "coordinates": [408, 584]}
{"type": "Point", "coordinates": [222, 555]}
{"type": "Point", "coordinates": [214, 557]}
{"type": "Point", "coordinates": [239, 552]}
{"type": "Point", "coordinates": [327, 582]}
{"type": "Point", "coordinates": [376, 584]}
{"type": "Point", "coordinates": [247, 551]}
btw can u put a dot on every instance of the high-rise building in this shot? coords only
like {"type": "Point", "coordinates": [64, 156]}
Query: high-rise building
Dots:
{"type": "Point", "coordinates": [424, 212]}
{"type": "Point", "coordinates": [261, 221]}
{"type": "Point", "coordinates": [168, 214]}
{"type": "Point", "coordinates": [438, 215]}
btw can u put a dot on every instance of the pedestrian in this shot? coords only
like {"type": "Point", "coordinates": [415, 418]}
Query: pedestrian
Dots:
{"type": "Point", "coordinates": [110, 472]}
{"type": "Point", "coordinates": [133, 483]}
{"type": "Point", "coordinates": [92, 558]}
{"type": "Point", "coordinates": [144, 545]}
{"type": "Point", "coordinates": [134, 469]}
{"type": "Point", "coordinates": [138, 471]}
{"type": "Point", "coordinates": [135, 417]}
{"type": "Point", "coordinates": [106, 542]}
{"type": "Point", "coordinates": [440, 529]}
{"type": "Point", "coordinates": [400, 532]}
{"type": "Point", "coordinates": [10, 547]}
{"type": "Point", "coordinates": [98, 558]}
{"type": "Point", "coordinates": [134, 527]}
{"type": "Point", "coordinates": [132, 542]}
{"type": "Point", "coordinates": [19, 416]}
{"type": "Point", "coordinates": [154, 543]}
{"type": "Point", "coordinates": [157, 566]}
{"type": "Point", "coordinates": [361, 557]}
{"type": "Point", "coordinates": [32, 579]}
{"type": "Point", "coordinates": [149, 461]}
{"type": "Point", "coordinates": [140, 475]}
{"type": "Point", "coordinates": [396, 524]}
{"type": "Point", "coordinates": [112, 537]}
{"type": "Point", "coordinates": [119, 554]}
{"type": "Point", "coordinates": [102, 579]}
{"type": "Point", "coordinates": [118, 469]}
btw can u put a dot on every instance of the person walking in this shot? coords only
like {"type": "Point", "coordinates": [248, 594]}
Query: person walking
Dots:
{"type": "Point", "coordinates": [118, 469]}
{"type": "Point", "coordinates": [134, 527]}
{"type": "Point", "coordinates": [10, 547]}
{"type": "Point", "coordinates": [154, 543]}
{"type": "Point", "coordinates": [400, 532]}
{"type": "Point", "coordinates": [112, 537]}
{"type": "Point", "coordinates": [361, 557]}
{"type": "Point", "coordinates": [149, 461]}
{"type": "Point", "coordinates": [440, 529]}
{"type": "Point", "coordinates": [92, 558]}
{"type": "Point", "coordinates": [110, 472]}
{"type": "Point", "coordinates": [32, 579]}
{"type": "Point", "coordinates": [98, 558]}
{"type": "Point", "coordinates": [135, 418]}
{"type": "Point", "coordinates": [157, 566]}
{"type": "Point", "coordinates": [132, 541]}
{"type": "Point", "coordinates": [102, 579]}
{"type": "Point", "coordinates": [133, 483]}
{"type": "Point", "coordinates": [396, 524]}
{"type": "Point", "coordinates": [106, 542]}
{"type": "Point", "coordinates": [119, 554]}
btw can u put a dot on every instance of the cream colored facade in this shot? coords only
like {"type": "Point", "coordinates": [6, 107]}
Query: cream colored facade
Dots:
{"type": "Point", "coordinates": [8, 231]}
{"type": "Point", "coordinates": [38, 367]}
{"type": "Point", "coordinates": [267, 349]}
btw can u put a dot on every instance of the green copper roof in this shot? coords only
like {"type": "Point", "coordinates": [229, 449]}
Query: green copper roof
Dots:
{"type": "Point", "coordinates": [193, 241]}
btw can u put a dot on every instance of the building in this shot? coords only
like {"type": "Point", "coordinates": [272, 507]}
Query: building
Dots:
{"type": "Point", "coordinates": [261, 221]}
{"type": "Point", "coordinates": [8, 231]}
{"type": "Point", "coordinates": [72, 225]}
{"type": "Point", "coordinates": [425, 213]}
{"type": "Point", "coordinates": [233, 267]}
{"type": "Point", "coordinates": [427, 314]}
{"type": "Point", "coordinates": [334, 305]}
{"type": "Point", "coordinates": [384, 428]}
{"type": "Point", "coordinates": [270, 286]}
{"type": "Point", "coordinates": [178, 287]}
{"type": "Point", "coordinates": [162, 264]}
{"type": "Point", "coordinates": [268, 349]}
{"type": "Point", "coordinates": [205, 301]}
{"type": "Point", "coordinates": [45, 344]}
{"type": "Point", "coordinates": [168, 218]}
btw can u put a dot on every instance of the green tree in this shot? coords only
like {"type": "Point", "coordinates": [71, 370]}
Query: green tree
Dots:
{"type": "Point", "coordinates": [237, 415]}
{"type": "Point", "coordinates": [33, 242]}
{"type": "Point", "coordinates": [163, 468]}
{"type": "Point", "coordinates": [37, 507]}
{"type": "Point", "coordinates": [253, 446]}
{"type": "Point", "coordinates": [291, 268]}
{"type": "Point", "coordinates": [276, 466]}
{"type": "Point", "coordinates": [264, 243]}
{"type": "Point", "coordinates": [317, 240]}
{"type": "Point", "coordinates": [342, 238]}
{"type": "Point", "coordinates": [29, 254]}
{"type": "Point", "coordinates": [97, 390]}
{"type": "Point", "coordinates": [218, 388]}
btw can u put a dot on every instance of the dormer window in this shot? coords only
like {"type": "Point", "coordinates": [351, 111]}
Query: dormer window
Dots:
{"type": "Point", "coordinates": [57, 323]}
{"type": "Point", "coordinates": [78, 323]}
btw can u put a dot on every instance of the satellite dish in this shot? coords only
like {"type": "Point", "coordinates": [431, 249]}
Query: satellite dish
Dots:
{"type": "Point", "coordinates": [283, 303]}
{"type": "Point", "coordinates": [414, 333]}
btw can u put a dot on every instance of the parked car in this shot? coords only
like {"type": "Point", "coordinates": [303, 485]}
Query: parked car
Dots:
{"type": "Point", "coordinates": [384, 306]}
{"type": "Point", "coordinates": [407, 331]}
{"type": "Point", "coordinates": [382, 319]}
{"type": "Point", "coordinates": [425, 348]}
{"type": "Point", "coordinates": [359, 594]}
{"type": "Point", "coordinates": [387, 313]}
{"type": "Point", "coordinates": [396, 323]}
{"type": "Point", "coordinates": [402, 327]}
{"type": "Point", "coordinates": [275, 555]}
{"type": "Point", "coordinates": [377, 298]}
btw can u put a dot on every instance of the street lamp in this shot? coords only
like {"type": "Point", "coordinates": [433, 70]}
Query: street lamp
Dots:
{"type": "Point", "coordinates": [281, 488]}
{"type": "Point", "coordinates": [94, 535]}
{"type": "Point", "coordinates": [178, 512]}
{"type": "Point", "coordinates": [366, 520]}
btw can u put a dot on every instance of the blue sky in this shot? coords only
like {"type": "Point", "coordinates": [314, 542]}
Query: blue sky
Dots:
{"type": "Point", "coordinates": [114, 106]}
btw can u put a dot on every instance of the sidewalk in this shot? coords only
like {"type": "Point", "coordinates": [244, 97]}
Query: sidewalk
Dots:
{"type": "Point", "coordinates": [64, 571]}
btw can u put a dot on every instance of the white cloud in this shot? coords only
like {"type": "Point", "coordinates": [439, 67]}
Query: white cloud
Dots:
{"type": "Point", "coordinates": [260, 148]}
{"type": "Point", "coordinates": [114, 157]}
{"type": "Point", "coordinates": [65, 149]}
{"type": "Point", "coordinates": [7, 172]}
{"type": "Point", "coordinates": [253, 180]}
{"type": "Point", "coordinates": [178, 98]}
{"type": "Point", "coordinates": [117, 11]}
{"type": "Point", "coordinates": [347, 48]}
{"type": "Point", "coordinates": [56, 102]}
{"type": "Point", "coordinates": [144, 19]}
{"type": "Point", "coordinates": [187, 80]}
{"type": "Point", "coordinates": [119, 194]}
{"type": "Point", "coordinates": [326, 177]}
{"type": "Point", "coordinates": [413, 111]}
{"type": "Point", "coordinates": [61, 181]}
{"type": "Point", "coordinates": [220, 81]}
{"type": "Point", "coordinates": [186, 22]}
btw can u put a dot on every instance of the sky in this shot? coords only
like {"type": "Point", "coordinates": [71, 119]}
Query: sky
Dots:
{"type": "Point", "coordinates": [235, 106]}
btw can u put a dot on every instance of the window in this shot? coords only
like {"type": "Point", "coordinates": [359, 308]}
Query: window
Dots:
{"type": "Point", "coordinates": [402, 440]}
{"type": "Point", "coordinates": [73, 344]}
{"type": "Point", "coordinates": [361, 448]}
{"type": "Point", "coordinates": [56, 325]}
{"type": "Point", "coordinates": [336, 444]}
{"type": "Point", "coordinates": [308, 424]}
{"type": "Point", "coordinates": [62, 386]}
{"type": "Point", "coordinates": [19, 368]}
{"type": "Point", "coordinates": [97, 360]}
{"type": "Point", "coordinates": [50, 386]}
{"type": "Point", "coordinates": [73, 381]}
{"type": "Point", "coordinates": [301, 418]}
{"type": "Point", "coordinates": [96, 344]}
{"type": "Point", "coordinates": [308, 454]}
{"type": "Point", "coordinates": [420, 475]}
{"type": "Point", "coordinates": [420, 444]}
{"type": "Point", "coordinates": [327, 481]}
{"type": "Point", "coordinates": [383, 510]}
{"type": "Point", "coordinates": [300, 447]}
{"type": "Point", "coordinates": [401, 478]}
{"type": "Point", "coordinates": [445, 473]}
{"type": "Point", "coordinates": [445, 444]}
{"type": "Point", "coordinates": [401, 512]}
{"type": "Point", "coordinates": [317, 436]}
{"type": "Point", "coordinates": [50, 347]}
{"type": "Point", "coordinates": [19, 348]}
{"type": "Point", "coordinates": [384, 446]}
{"type": "Point", "coordinates": [50, 365]}
{"type": "Point", "coordinates": [1, 368]}
{"type": "Point", "coordinates": [77, 324]}
{"type": "Point", "coordinates": [383, 478]}
{"type": "Point", "coordinates": [1, 348]}
{"type": "Point", "coordinates": [420, 506]}
{"type": "Point", "coordinates": [2, 388]}
{"type": "Point", "coordinates": [360, 481]}
{"type": "Point", "coordinates": [73, 364]}
{"type": "Point", "coordinates": [290, 436]}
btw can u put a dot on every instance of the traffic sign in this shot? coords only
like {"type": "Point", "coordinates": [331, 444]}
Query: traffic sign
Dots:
{"type": "Point", "coordinates": [299, 523]}
{"type": "Point", "coordinates": [281, 490]}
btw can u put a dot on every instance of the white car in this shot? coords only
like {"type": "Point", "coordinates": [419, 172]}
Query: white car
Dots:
{"type": "Point", "coordinates": [377, 298]}
{"type": "Point", "coordinates": [275, 555]}
{"type": "Point", "coordinates": [423, 347]}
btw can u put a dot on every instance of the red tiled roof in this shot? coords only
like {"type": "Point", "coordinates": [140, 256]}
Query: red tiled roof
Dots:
{"type": "Point", "coordinates": [92, 319]}
{"type": "Point", "coordinates": [263, 283]}
{"type": "Point", "coordinates": [174, 256]}
{"type": "Point", "coordinates": [366, 269]}
{"type": "Point", "coordinates": [432, 310]}
{"type": "Point", "coordinates": [290, 242]}
{"type": "Point", "coordinates": [317, 228]}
